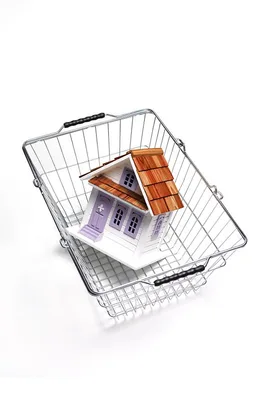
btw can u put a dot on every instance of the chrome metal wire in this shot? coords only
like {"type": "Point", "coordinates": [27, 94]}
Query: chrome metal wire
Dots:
{"type": "Point", "coordinates": [203, 232]}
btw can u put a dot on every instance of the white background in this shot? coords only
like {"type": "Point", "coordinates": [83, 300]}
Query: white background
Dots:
{"type": "Point", "coordinates": [204, 67]}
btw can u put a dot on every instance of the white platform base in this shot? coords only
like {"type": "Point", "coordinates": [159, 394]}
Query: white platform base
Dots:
{"type": "Point", "coordinates": [117, 252]}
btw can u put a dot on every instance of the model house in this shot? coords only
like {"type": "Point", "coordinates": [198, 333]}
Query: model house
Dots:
{"type": "Point", "coordinates": [129, 208]}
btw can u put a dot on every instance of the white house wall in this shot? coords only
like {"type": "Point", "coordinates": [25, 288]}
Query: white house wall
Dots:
{"type": "Point", "coordinates": [110, 232]}
{"type": "Point", "coordinates": [115, 173]}
{"type": "Point", "coordinates": [150, 244]}
{"type": "Point", "coordinates": [143, 243]}
{"type": "Point", "coordinates": [89, 207]}
{"type": "Point", "coordinates": [165, 227]}
{"type": "Point", "coordinates": [118, 235]}
{"type": "Point", "coordinates": [146, 223]}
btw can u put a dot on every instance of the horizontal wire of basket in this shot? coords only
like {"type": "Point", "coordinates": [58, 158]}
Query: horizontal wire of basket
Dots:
{"type": "Point", "coordinates": [203, 229]}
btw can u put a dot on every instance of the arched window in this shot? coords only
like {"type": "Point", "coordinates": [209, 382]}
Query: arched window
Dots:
{"type": "Point", "coordinates": [158, 226]}
{"type": "Point", "coordinates": [118, 216]}
{"type": "Point", "coordinates": [133, 224]}
{"type": "Point", "coordinates": [128, 179]}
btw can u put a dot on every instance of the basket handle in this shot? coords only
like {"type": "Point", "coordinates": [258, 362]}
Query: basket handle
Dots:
{"type": "Point", "coordinates": [183, 274]}
{"type": "Point", "coordinates": [83, 120]}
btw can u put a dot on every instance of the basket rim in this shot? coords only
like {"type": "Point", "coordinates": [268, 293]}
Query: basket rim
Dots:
{"type": "Point", "coordinates": [181, 146]}
{"type": "Point", "coordinates": [110, 119]}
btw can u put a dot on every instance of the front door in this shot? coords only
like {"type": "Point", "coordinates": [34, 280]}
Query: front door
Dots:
{"type": "Point", "coordinates": [100, 212]}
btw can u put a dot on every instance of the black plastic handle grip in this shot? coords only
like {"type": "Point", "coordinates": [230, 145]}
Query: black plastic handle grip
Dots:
{"type": "Point", "coordinates": [183, 274]}
{"type": "Point", "coordinates": [83, 120]}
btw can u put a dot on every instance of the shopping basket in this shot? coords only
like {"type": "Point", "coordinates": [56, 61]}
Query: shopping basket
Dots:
{"type": "Point", "coordinates": [201, 237]}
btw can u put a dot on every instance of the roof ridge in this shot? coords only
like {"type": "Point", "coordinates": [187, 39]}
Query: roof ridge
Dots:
{"type": "Point", "coordinates": [146, 152]}
{"type": "Point", "coordinates": [104, 164]}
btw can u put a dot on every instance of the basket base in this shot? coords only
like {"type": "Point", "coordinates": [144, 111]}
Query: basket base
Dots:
{"type": "Point", "coordinates": [119, 253]}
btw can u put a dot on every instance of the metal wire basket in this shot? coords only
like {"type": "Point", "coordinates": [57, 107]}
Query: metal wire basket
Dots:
{"type": "Point", "coordinates": [201, 237]}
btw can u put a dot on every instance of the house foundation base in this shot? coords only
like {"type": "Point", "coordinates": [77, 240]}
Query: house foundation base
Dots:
{"type": "Point", "coordinates": [117, 252]}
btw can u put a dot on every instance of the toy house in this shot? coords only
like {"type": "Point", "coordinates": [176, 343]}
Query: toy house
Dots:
{"type": "Point", "coordinates": [129, 208]}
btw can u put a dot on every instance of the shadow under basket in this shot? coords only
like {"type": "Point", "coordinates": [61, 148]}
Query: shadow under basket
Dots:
{"type": "Point", "coordinates": [201, 236]}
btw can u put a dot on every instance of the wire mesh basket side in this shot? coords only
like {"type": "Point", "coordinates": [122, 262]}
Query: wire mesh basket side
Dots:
{"type": "Point", "coordinates": [141, 295]}
{"type": "Point", "coordinates": [201, 233]}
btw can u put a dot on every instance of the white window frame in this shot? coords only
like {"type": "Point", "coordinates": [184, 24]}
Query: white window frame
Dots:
{"type": "Point", "coordinates": [158, 225]}
{"type": "Point", "coordinates": [125, 182]}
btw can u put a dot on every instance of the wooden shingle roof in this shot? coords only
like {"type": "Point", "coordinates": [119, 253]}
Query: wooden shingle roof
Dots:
{"type": "Point", "coordinates": [156, 179]}
{"type": "Point", "coordinates": [119, 191]}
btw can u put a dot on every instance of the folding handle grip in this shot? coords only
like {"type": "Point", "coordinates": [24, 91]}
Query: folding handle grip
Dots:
{"type": "Point", "coordinates": [83, 120]}
{"type": "Point", "coordinates": [183, 274]}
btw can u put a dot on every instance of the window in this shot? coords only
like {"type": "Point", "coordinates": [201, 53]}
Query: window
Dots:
{"type": "Point", "coordinates": [158, 225]}
{"type": "Point", "coordinates": [128, 179]}
{"type": "Point", "coordinates": [133, 224]}
{"type": "Point", "coordinates": [118, 216]}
